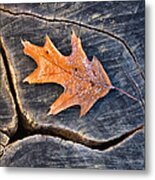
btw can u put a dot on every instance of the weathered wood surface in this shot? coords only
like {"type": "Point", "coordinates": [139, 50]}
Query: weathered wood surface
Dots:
{"type": "Point", "coordinates": [111, 31]}
{"type": "Point", "coordinates": [46, 151]}
{"type": "Point", "coordinates": [8, 119]}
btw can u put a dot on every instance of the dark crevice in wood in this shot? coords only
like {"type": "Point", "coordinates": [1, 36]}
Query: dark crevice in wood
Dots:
{"type": "Point", "coordinates": [20, 133]}
{"type": "Point", "coordinates": [93, 144]}
{"type": "Point", "coordinates": [81, 24]}
{"type": "Point", "coordinates": [27, 127]}
{"type": "Point", "coordinates": [115, 141]}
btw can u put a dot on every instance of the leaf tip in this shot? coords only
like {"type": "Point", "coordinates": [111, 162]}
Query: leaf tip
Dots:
{"type": "Point", "coordinates": [74, 36]}
{"type": "Point", "coordinates": [82, 113]}
{"type": "Point", "coordinates": [24, 42]}
{"type": "Point", "coordinates": [72, 32]}
{"type": "Point", "coordinates": [25, 80]}
{"type": "Point", "coordinates": [94, 59]}
{"type": "Point", "coordinates": [50, 112]}
{"type": "Point", "coordinates": [47, 37]}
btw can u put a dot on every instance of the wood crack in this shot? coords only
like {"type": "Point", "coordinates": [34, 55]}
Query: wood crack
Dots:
{"type": "Point", "coordinates": [93, 144]}
{"type": "Point", "coordinates": [12, 89]}
{"type": "Point", "coordinates": [81, 24]}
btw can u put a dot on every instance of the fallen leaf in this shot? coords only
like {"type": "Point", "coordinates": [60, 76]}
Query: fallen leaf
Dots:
{"type": "Point", "coordinates": [84, 81]}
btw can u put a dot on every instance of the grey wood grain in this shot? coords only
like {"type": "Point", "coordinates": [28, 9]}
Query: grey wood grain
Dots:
{"type": "Point", "coordinates": [125, 19]}
{"type": "Point", "coordinates": [105, 31]}
{"type": "Point", "coordinates": [46, 151]}
{"type": "Point", "coordinates": [8, 119]}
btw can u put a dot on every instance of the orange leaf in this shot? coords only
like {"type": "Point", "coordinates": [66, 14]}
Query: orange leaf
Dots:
{"type": "Point", "coordinates": [84, 81]}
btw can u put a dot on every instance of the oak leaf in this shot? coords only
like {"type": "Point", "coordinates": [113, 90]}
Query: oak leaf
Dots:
{"type": "Point", "coordinates": [84, 81]}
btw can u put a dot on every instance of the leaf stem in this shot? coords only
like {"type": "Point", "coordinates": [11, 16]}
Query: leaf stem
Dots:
{"type": "Point", "coordinates": [124, 92]}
